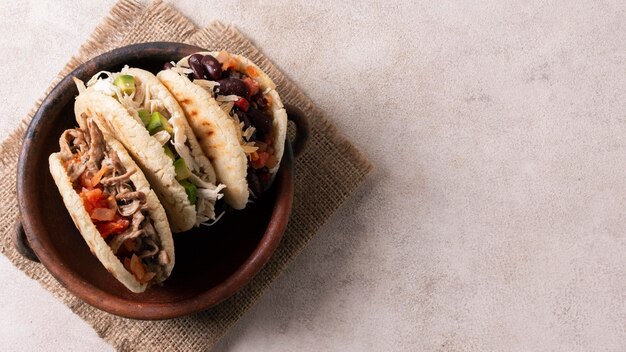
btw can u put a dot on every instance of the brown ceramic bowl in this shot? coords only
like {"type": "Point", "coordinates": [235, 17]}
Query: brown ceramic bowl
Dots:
{"type": "Point", "coordinates": [212, 263]}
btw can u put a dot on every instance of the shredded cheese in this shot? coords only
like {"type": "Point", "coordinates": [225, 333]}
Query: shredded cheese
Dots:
{"type": "Point", "coordinates": [231, 97]}
{"type": "Point", "coordinates": [249, 148]}
{"type": "Point", "coordinates": [80, 85]}
{"type": "Point", "coordinates": [206, 85]}
{"type": "Point", "coordinates": [162, 136]}
{"type": "Point", "coordinates": [227, 107]}
{"type": "Point", "coordinates": [181, 70]}
{"type": "Point", "coordinates": [247, 134]}
{"type": "Point", "coordinates": [208, 194]}
{"type": "Point", "coordinates": [95, 77]}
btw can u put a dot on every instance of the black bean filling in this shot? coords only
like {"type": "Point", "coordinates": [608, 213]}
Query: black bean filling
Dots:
{"type": "Point", "coordinates": [257, 116]}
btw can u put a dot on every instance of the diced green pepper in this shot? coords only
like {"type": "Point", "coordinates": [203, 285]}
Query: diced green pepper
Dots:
{"type": "Point", "coordinates": [166, 125]}
{"type": "Point", "coordinates": [182, 171]}
{"type": "Point", "coordinates": [158, 123]}
{"type": "Point", "coordinates": [144, 116]}
{"type": "Point", "coordinates": [126, 83]}
{"type": "Point", "coordinates": [191, 190]}
{"type": "Point", "coordinates": [169, 152]}
{"type": "Point", "coordinates": [154, 125]}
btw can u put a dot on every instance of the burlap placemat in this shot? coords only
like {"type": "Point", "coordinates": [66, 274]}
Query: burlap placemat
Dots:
{"type": "Point", "coordinates": [325, 175]}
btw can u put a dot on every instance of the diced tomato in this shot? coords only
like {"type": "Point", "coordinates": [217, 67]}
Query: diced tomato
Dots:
{"type": "Point", "coordinates": [93, 198]}
{"type": "Point", "coordinates": [112, 203]}
{"type": "Point", "coordinates": [226, 60]}
{"type": "Point", "coordinates": [268, 99]}
{"type": "Point", "coordinates": [85, 180]}
{"type": "Point", "coordinates": [223, 56]}
{"type": "Point", "coordinates": [95, 180]}
{"type": "Point", "coordinates": [263, 156]}
{"type": "Point", "coordinates": [103, 214]}
{"type": "Point", "coordinates": [243, 104]}
{"type": "Point", "coordinates": [253, 87]}
{"type": "Point", "coordinates": [262, 147]}
{"type": "Point", "coordinates": [260, 162]}
{"type": "Point", "coordinates": [271, 161]}
{"type": "Point", "coordinates": [251, 71]}
{"type": "Point", "coordinates": [112, 227]}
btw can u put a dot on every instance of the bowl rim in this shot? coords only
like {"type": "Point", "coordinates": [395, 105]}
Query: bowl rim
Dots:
{"type": "Point", "coordinates": [103, 300]}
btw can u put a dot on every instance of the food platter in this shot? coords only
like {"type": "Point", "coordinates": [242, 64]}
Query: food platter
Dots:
{"type": "Point", "coordinates": [212, 263]}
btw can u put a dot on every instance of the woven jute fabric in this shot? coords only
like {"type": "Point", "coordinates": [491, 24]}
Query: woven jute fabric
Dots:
{"type": "Point", "coordinates": [325, 175]}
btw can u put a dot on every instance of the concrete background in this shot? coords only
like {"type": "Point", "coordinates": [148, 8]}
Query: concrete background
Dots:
{"type": "Point", "coordinates": [495, 218]}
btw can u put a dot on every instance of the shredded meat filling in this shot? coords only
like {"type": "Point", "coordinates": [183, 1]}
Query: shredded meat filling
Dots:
{"type": "Point", "coordinates": [118, 179]}
{"type": "Point", "coordinates": [87, 158]}
{"type": "Point", "coordinates": [129, 196]}
{"type": "Point", "coordinates": [129, 209]}
{"type": "Point", "coordinates": [96, 149]}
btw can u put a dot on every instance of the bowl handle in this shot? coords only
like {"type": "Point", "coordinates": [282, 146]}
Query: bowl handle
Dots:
{"type": "Point", "coordinates": [296, 116]}
{"type": "Point", "coordinates": [21, 242]}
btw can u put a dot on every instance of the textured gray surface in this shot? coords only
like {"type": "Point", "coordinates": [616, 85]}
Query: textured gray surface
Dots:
{"type": "Point", "coordinates": [494, 220]}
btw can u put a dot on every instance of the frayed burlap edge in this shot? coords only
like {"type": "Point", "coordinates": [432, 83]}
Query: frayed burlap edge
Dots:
{"type": "Point", "coordinates": [325, 175]}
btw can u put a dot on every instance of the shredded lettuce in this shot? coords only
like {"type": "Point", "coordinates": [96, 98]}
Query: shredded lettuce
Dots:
{"type": "Point", "coordinates": [208, 194]}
